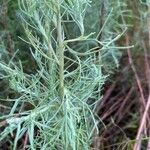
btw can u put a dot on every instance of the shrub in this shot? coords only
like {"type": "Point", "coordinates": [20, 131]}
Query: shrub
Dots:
{"type": "Point", "coordinates": [55, 105]}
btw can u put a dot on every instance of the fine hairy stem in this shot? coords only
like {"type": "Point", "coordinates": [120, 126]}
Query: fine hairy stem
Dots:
{"type": "Point", "coordinates": [61, 54]}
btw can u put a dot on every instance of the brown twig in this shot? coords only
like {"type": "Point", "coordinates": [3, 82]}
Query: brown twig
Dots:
{"type": "Point", "coordinates": [112, 109]}
{"type": "Point", "coordinates": [25, 141]}
{"type": "Point", "coordinates": [143, 122]}
{"type": "Point", "coordinates": [143, 102]}
{"type": "Point", "coordinates": [147, 66]}
{"type": "Point", "coordinates": [106, 96]}
{"type": "Point", "coordinates": [135, 72]}
{"type": "Point", "coordinates": [137, 145]}
{"type": "Point", "coordinates": [3, 123]}
{"type": "Point", "coordinates": [121, 110]}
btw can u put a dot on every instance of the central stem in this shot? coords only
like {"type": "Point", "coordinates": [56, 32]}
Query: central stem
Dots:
{"type": "Point", "coordinates": [61, 54]}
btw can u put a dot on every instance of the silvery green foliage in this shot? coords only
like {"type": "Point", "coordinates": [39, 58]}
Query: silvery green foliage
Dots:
{"type": "Point", "coordinates": [66, 86]}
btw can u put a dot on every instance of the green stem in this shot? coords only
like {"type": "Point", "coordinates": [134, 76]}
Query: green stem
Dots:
{"type": "Point", "coordinates": [61, 54]}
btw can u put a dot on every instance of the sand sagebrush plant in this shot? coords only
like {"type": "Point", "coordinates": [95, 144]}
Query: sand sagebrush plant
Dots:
{"type": "Point", "coordinates": [55, 106]}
